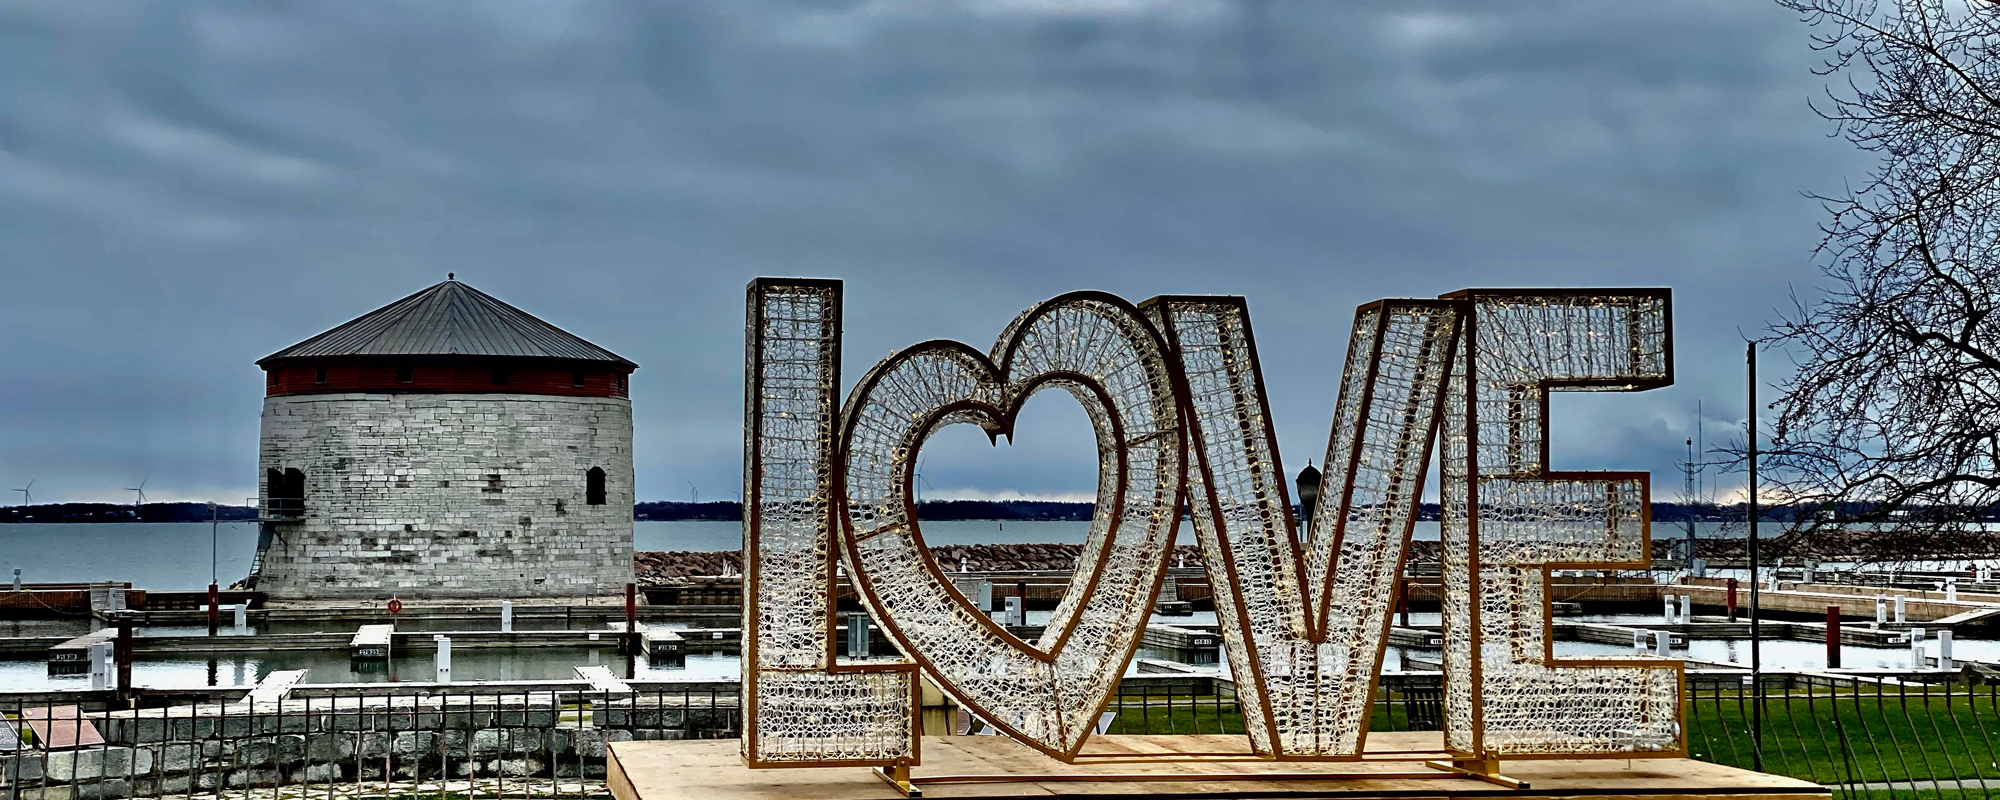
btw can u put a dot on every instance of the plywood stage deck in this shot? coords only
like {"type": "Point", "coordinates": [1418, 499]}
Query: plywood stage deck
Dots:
{"type": "Point", "coordinates": [1119, 767]}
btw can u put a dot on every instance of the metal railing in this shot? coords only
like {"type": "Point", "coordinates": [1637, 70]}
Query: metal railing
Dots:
{"type": "Point", "coordinates": [335, 741]}
{"type": "Point", "coordinates": [1916, 735]}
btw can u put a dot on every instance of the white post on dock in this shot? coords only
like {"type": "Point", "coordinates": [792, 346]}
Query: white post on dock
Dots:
{"type": "Point", "coordinates": [1917, 649]}
{"type": "Point", "coordinates": [506, 616]}
{"type": "Point", "coordinates": [17, 579]}
{"type": "Point", "coordinates": [1951, 590]}
{"type": "Point", "coordinates": [1687, 608]}
{"type": "Point", "coordinates": [100, 666]}
{"type": "Point", "coordinates": [963, 565]}
{"type": "Point", "coordinates": [242, 618]}
{"type": "Point", "coordinates": [1881, 610]}
{"type": "Point", "coordinates": [1662, 643]}
{"type": "Point", "coordinates": [1638, 642]}
{"type": "Point", "coordinates": [984, 598]}
{"type": "Point", "coordinates": [443, 658]}
{"type": "Point", "coordinates": [857, 635]}
{"type": "Point", "coordinates": [1667, 614]}
{"type": "Point", "coordinates": [1944, 649]}
{"type": "Point", "coordinates": [1017, 612]}
{"type": "Point", "coordinates": [1901, 602]}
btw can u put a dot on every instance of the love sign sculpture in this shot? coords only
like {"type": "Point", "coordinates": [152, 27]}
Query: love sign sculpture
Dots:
{"type": "Point", "coordinates": [1175, 394]}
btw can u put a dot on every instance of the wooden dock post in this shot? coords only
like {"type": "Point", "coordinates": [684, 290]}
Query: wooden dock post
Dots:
{"type": "Point", "coordinates": [630, 645]}
{"type": "Point", "coordinates": [122, 652]}
{"type": "Point", "coordinates": [1833, 637]}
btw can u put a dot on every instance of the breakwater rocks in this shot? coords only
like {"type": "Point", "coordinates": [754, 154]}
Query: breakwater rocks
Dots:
{"type": "Point", "coordinates": [680, 568]}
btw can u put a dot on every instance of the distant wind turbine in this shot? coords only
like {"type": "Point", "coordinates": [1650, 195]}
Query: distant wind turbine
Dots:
{"type": "Point", "coordinates": [27, 497]}
{"type": "Point", "coordinates": [141, 489]}
{"type": "Point", "coordinates": [694, 495]}
{"type": "Point", "coordinates": [922, 483]}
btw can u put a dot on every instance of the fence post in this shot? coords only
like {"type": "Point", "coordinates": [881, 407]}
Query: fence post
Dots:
{"type": "Point", "coordinates": [1833, 637]}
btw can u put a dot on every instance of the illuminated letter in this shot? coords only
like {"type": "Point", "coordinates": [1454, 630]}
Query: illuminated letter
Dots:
{"type": "Point", "coordinates": [1508, 519]}
{"type": "Point", "coordinates": [1104, 353]}
{"type": "Point", "coordinates": [1304, 632]}
{"type": "Point", "coordinates": [801, 707]}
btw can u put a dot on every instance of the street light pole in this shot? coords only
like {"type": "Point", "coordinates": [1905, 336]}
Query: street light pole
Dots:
{"type": "Point", "coordinates": [1756, 651]}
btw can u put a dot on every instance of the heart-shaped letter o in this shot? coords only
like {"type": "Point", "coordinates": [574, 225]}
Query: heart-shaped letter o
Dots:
{"type": "Point", "coordinates": [1107, 355]}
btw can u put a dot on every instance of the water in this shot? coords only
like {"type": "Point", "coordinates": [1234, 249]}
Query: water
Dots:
{"type": "Point", "coordinates": [152, 555]}
{"type": "Point", "coordinates": [175, 555]}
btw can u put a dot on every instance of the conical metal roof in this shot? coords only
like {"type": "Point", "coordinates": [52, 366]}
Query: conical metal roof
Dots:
{"type": "Point", "coordinates": [449, 319]}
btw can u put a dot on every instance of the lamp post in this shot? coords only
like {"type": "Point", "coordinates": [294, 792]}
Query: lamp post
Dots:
{"type": "Point", "coordinates": [1308, 483]}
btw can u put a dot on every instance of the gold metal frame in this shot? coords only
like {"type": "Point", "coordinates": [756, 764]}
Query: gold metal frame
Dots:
{"type": "Point", "coordinates": [1460, 311]}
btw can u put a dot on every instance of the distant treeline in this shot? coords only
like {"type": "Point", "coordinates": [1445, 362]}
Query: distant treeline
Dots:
{"type": "Point", "coordinates": [730, 511]}
{"type": "Point", "coordinates": [119, 512]}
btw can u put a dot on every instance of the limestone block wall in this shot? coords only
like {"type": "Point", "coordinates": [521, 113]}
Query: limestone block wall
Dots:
{"type": "Point", "coordinates": [441, 495]}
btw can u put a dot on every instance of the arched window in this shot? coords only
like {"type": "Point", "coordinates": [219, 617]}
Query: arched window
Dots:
{"type": "Point", "coordinates": [593, 486]}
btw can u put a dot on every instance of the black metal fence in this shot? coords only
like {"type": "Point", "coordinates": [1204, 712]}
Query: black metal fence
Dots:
{"type": "Point", "coordinates": [497, 740]}
{"type": "Point", "coordinates": [1889, 736]}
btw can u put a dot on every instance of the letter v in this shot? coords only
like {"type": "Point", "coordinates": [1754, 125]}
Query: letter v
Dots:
{"type": "Point", "coordinates": [1304, 626]}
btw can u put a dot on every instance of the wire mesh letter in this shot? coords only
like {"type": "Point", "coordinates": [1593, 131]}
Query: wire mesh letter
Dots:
{"type": "Point", "coordinates": [802, 707]}
{"type": "Point", "coordinates": [1306, 629]}
{"type": "Point", "coordinates": [1104, 353]}
{"type": "Point", "coordinates": [1508, 519]}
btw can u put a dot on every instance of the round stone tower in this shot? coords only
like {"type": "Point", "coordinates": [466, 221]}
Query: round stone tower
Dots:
{"type": "Point", "coordinates": [445, 445]}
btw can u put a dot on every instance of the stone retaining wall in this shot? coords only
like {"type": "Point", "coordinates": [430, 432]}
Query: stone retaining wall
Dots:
{"type": "Point", "coordinates": [346, 740]}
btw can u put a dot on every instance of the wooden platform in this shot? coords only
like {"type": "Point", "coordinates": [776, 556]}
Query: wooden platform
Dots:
{"type": "Point", "coordinates": [1128, 766]}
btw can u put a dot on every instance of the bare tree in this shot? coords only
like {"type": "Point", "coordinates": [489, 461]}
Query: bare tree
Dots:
{"type": "Point", "coordinates": [1895, 407]}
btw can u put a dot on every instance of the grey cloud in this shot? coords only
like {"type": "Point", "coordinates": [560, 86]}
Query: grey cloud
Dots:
{"type": "Point", "coordinates": [186, 187]}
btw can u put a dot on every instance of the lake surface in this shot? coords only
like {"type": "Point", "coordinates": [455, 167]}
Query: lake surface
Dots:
{"type": "Point", "coordinates": [176, 555]}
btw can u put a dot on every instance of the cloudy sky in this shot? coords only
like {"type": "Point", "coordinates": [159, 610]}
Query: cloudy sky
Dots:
{"type": "Point", "coordinates": [185, 188]}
